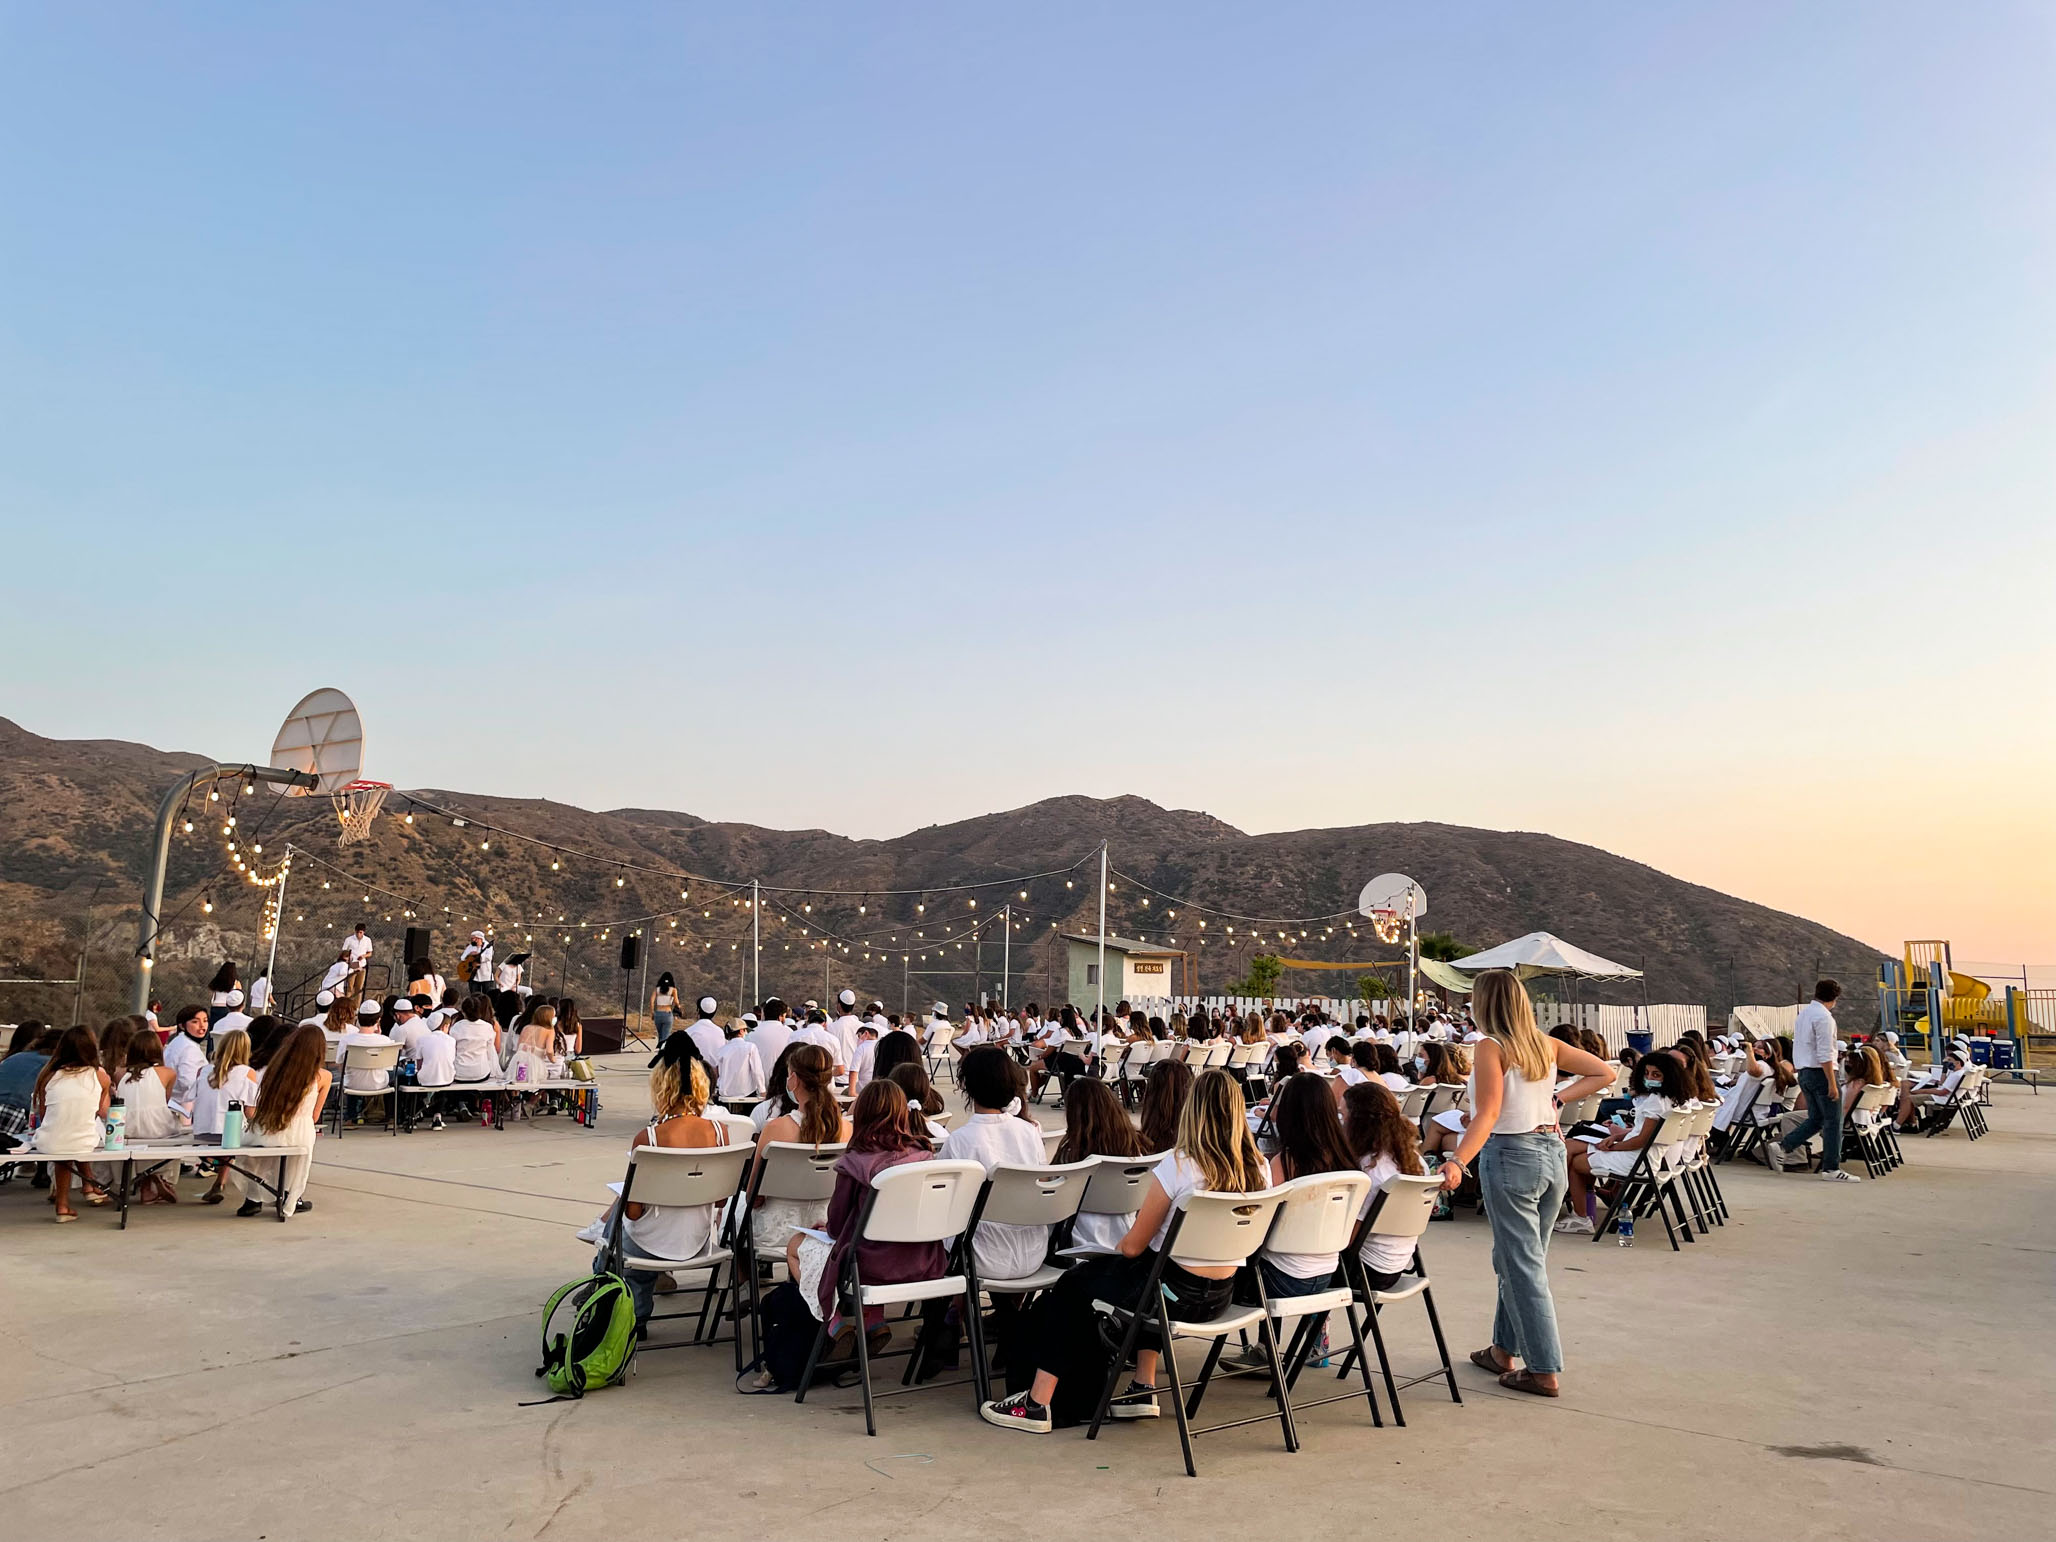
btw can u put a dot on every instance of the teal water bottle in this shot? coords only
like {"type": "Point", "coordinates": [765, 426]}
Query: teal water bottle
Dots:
{"type": "Point", "coordinates": [232, 1127]}
{"type": "Point", "coordinates": [117, 1126]}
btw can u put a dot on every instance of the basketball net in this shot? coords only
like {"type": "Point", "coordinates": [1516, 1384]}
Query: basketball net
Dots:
{"type": "Point", "coordinates": [356, 806]}
{"type": "Point", "coordinates": [1387, 925]}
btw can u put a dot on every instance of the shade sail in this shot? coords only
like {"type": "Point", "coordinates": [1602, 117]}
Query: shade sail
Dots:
{"type": "Point", "coordinates": [1539, 953]}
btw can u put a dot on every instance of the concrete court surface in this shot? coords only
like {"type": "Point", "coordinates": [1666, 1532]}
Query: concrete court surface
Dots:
{"type": "Point", "coordinates": [1841, 1361]}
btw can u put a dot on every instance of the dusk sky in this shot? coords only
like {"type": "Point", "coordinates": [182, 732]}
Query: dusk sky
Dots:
{"type": "Point", "coordinates": [1632, 423]}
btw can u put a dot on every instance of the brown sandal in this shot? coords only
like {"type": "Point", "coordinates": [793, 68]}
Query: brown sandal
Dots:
{"type": "Point", "coordinates": [1484, 1359]}
{"type": "Point", "coordinates": [1524, 1381]}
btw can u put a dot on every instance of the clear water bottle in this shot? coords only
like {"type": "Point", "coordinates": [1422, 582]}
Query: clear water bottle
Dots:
{"type": "Point", "coordinates": [232, 1127]}
{"type": "Point", "coordinates": [1626, 1229]}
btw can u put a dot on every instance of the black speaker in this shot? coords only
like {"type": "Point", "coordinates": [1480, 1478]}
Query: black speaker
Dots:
{"type": "Point", "coordinates": [417, 946]}
{"type": "Point", "coordinates": [631, 951]}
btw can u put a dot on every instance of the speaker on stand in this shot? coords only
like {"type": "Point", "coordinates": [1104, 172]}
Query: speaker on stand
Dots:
{"type": "Point", "coordinates": [631, 956]}
{"type": "Point", "coordinates": [416, 949]}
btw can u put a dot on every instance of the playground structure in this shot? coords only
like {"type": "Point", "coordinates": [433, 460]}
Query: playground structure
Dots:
{"type": "Point", "coordinates": [1922, 995]}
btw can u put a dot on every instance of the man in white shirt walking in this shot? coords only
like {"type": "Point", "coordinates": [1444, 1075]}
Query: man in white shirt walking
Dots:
{"type": "Point", "coordinates": [1813, 1057]}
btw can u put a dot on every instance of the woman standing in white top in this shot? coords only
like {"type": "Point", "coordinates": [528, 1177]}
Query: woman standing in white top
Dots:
{"type": "Point", "coordinates": [1513, 1138]}
{"type": "Point", "coordinates": [664, 1006]}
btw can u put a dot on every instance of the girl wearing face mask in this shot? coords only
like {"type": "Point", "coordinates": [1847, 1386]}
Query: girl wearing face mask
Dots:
{"type": "Point", "coordinates": [1660, 1086]}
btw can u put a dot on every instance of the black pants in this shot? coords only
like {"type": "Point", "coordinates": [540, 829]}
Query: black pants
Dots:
{"type": "Point", "coordinates": [1062, 1334]}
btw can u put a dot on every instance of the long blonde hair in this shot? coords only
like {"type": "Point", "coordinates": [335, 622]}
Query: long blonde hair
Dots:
{"type": "Point", "coordinates": [1500, 1006]}
{"type": "Point", "coordinates": [1213, 1132]}
{"type": "Point", "coordinates": [679, 1089]}
{"type": "Point", "coordinates": [231, 1049]}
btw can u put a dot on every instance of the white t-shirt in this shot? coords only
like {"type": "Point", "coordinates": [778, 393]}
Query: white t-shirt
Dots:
{"type": "Point", "coordinates": [435, 1059]}
{"type": "Point", "coordinates": [1004, 1251]}
{"type": "Point", "coordinates": [358, 947]}
{"type": "Point", "coordinates": [188, 1060]}
{"type": "Point", "coordinates": [210, 1103]}
{"type": "Point", "coordinates": [477, 1059]}
{"type": "Point", "coordinates": [507, 976]}
{"type": "Point", "coordinates": [260, 994]}
{"type": "Point", "coordinates": [1178, 1175]}
{"type": "Point", "coordinates": [845, 1030]}
{"type": "Point", "coordinates": [408, 1033]}
{"type": "Point", "coordinates": [334, 976]}
{"type": "Point", "coordinates": [739, 1069]}
{"type": "Point", "coordinates": [365, 1081]}
{"type": "Point", "coordinates": [1384, 1255]}
{"type": "Point", "coordinates": [819, 1035]}
{"type": "Point", "coordinates": [708, 1039]}
{"type": "Point", "coordinates": [235, 1019]}
{"type": "Point", "coordinates": [773, 1039]}
{"type": "Point", "coordinates": [861, 1064]}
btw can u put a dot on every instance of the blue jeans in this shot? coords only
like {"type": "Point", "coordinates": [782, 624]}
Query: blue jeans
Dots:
{"type": "Point", "coordinates": [663, 1027]}
{"type": "Point", "coordinates": [1279, 1285]}
{"type": "Point", "coordinates": [642, 1286]}
{"type": "Point", "coordinates": [1523, 1179]}
{"type": "Point", "coordinates": [1823, 1114]}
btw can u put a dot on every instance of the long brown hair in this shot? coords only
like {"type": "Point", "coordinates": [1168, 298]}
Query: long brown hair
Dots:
{"type": "Point", "coordinates": [1213, 1134]}
{"type": "Point", "coordinates": [1374, 1127]}
{"type": "Point", "coordinates": [1309, 1133]}
{"type": "Point", "coordinates": [1095, 1124]}
{"type": "Point", "coordinates": [820, 1115]}
{"type": "Point", "coordinates": [114, 1048]}
{"type": "Point", "coordinates": [1500, 1006]}
{"type": "Point", "coordinates": [912, 1080]}
{"type": "Point", "coordinates": [1164, 1092]}
{"type": "Point", "coordinates": [881, 1119]}
{"type": "Point", "coordinates": [76, 1050]}
{"type": "Point", "coordinates": [294, 1066]}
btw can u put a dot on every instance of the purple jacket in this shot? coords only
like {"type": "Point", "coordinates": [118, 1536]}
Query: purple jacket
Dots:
{"type": "Point", "coordinates": [882, 1263]}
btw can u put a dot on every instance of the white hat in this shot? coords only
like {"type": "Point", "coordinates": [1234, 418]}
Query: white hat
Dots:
{"type": "Point", "coordinates": [369, 1007]}
{"type": "Point", "coordinates": [707, 1006]}
{"type": "Point", "coordinates": [847, 999]}
{"type": "Point", "coordinates": [749, 1017]}
{"type": "Point", "coordinates": [235, 998]}
{"type": "Point", "coordinates": [479, 935]}
{"type": "Point", "coordinates": [324, 998]}
{"type": "Point", "coordinates": [810, 1003]}
{"type": "Point", "coordinates": [941, 1009]}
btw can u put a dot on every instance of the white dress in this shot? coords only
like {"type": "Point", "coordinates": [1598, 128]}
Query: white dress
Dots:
{"type": "Point", "coordinates": [298, 1131]}
{"type": "Point", "coordinates": [146, 1115]}
{"type": "Point", "coordinates": [71, 1113]}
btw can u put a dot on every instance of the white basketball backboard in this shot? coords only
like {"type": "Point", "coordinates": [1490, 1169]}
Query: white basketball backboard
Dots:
{"type": "Point", "coordinates": [322, 735]}
{"type": "Point", "coordinates": [1388, 892]}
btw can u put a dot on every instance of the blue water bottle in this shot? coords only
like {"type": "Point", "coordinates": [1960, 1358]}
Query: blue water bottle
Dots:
{"type": "Point", "coordinates": [232, 1127]}
{"type": "Point", "coordinates": [1627, 1227]}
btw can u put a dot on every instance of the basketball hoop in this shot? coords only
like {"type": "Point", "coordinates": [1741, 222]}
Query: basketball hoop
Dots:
{"type": "Point", "coordinates": [357, 805]}
{"type": "Point", "coordinates": [1387, 925]}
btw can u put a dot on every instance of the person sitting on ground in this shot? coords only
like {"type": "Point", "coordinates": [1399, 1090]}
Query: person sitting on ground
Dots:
{"type": "Point", "coordinates": [227, 1079]}
{"type": "Point", "coordinates": [1214, 1152]}
{"type": "Point", "coordinates": [678, 1104]}
{"type": "Point", "coordinates": [1310, 1141]}
{"type": "Point", "coordinates": [1165, 1088]}
{"type": "Point", "coordinates": [289, 1095]}
{"type": "Point", "coordinates": [1381, 1139]}
{"type": "Point", "coordinates": [816, 1120]}
{"type": "Point", "coordinates": [1096, 1125]}
{"type": "Point", "coordinates": [884, 1133]}
{"type": "Point", "coordinates": [995, 1133]}
{"type": "Point", "coordinates": [1660, 1076]}
{"type": "Point", "coordinates": [922, 1098]}
{"type": "Point", "coordinates": [69, 1102]}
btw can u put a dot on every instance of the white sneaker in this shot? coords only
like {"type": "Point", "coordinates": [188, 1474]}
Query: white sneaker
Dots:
{"type": "Point", "coordinates": [1774, 1155]}
{"type": "Point", "coordinates": [1575, 1226]}
{"type": "Point", "coordinates": [1839, 1176]}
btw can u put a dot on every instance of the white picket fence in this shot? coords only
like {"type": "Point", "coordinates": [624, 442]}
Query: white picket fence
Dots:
{"type": "Point", "coordinates": [1662, 1021]}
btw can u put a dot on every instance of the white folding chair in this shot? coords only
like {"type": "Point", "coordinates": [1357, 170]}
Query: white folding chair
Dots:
{"type": "Point", "coordinates": [1442, 1097]}
{"type": "Point", "coordinates": [915, 1202]}
{"type": "Point", "coordinates": [1208, 1230]}
{"type": "Point", "coordinates": [358, 1058]}
{"type": "Point", "coordinates": [1217, 1054]}
{"type": "Point", "coordinates": [1866, 1129]}
{"type": "Point", "coordinates": [938, 1054]}
{"type": "Point", "coordinates": [1402, 1209]}
{"type": "Point", "coordinates": [1651, 1182]}
{"type": "Point", "coordinates": [790, 1170]}
{"type": "Point", "coordinates": [696, 1175]}
{"type": "Point", "coordinates": [1115, 1186]}
{"type": "Point", "coordinates": [1142, 1054]}
{"type": "Point", "coordinates": [1020, 1196]}
{"type": "Point", "coordinates": [1323, 1213]}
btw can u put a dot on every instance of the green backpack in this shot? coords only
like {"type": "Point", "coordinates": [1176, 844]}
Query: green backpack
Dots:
{"type": "Point", "coordinates": [601, 1346]}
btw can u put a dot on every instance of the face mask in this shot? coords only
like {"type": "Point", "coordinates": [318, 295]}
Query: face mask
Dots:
{"type": "Point", "coordinates": [1655, 1086]}
{"type": "Point", "coordinates": [1420, 1062]}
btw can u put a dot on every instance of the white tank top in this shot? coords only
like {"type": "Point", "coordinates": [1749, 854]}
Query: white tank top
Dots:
{"type": "Point", "coordinates": [1523, 1105]}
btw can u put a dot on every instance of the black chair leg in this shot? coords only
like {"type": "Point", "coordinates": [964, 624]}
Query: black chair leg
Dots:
{"type": "Point", "coordinates": [1385, 1369]}
{"type": "Point", "coordinates": [1441, 1344]}
{"type": "Point", "coordinates": [1177, 1391]}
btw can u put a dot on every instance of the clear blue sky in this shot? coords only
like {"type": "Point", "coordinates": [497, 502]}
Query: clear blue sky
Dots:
{"type": "Point", "coordinates": [866, 416]}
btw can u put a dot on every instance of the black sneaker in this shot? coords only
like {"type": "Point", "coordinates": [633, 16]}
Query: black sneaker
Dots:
{"type": "Point", "coordinates": [436, 1123]}
{"type": "Point", "coordinates": [249, 1207]}
{"type": "Point", "coordinates": [1019, 1412]}
{"type": "Point", "coordinates": [1138, 1402]}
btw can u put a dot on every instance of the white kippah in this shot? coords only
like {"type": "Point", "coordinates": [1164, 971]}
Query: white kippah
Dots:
{"type": "Point", "coordinates": [324, 998]}
{"type": "Point", "coordinates": [707, 1005]}
{"type": "Point", "coordinates": [847, 998]}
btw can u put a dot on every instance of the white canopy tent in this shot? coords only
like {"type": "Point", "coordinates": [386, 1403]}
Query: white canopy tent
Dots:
{"type": "Point", "coordinates": [1539, 953]}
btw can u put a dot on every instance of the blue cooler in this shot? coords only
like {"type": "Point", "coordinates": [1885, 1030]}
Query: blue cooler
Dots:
{"type": "Point", "coordinates": [2002, 1054]}
{"type": "Point", "coordinates": [1640, 1042]}
{"type": "Point", "coordinates": [1980, 1051]}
